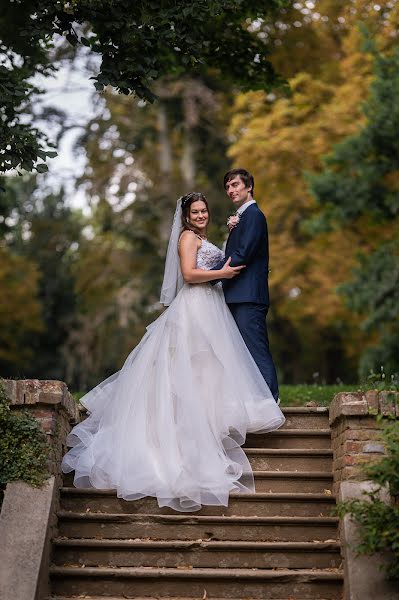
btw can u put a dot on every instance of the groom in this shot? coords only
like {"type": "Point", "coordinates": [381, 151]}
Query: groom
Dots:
{"type": "Point", "coordinates": [247, 295]}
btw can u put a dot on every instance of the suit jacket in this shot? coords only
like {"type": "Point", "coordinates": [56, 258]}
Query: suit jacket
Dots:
{"type": "Point", "coordinates": [248, 244]}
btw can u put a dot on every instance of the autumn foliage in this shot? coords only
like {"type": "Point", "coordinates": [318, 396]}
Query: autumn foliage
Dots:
{"type": "Point", "coordinates": [83, 288]}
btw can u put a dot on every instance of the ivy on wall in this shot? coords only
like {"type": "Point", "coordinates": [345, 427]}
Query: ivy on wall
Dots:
{"type": "Point", "coordinates": [23, 446]}
{"type": "Point", "coordinates": [378, 521]}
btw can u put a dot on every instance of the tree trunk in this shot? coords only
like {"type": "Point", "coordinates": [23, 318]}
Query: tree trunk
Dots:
{"type": "Point", "coordinates": [187, 163]}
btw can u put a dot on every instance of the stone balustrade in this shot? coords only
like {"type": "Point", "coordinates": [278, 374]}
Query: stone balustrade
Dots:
{"type": "Point", "coordinates": [355, 431]}
{"type": "Point", "coordinates": [28, 516]}
{"type": "Point", "coordinates": [356, 441]}
{"type": "Point", "coordinates": [50, 402]}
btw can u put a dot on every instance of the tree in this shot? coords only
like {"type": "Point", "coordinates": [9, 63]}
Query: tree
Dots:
{"type": "Point", "coordinates": [43, 237]}
{"type": "Point", "coordinates": [360, 183]}
{"type": "Point", "coordinates": [54, 240]}
{"type": "Point", "coordinates": [19, 279]}
{"type": "Point", "coordinates": [114, 284]}
{"type": "Point", "coordinates": [279, 139]}
{"type": "Point", "coordinates": [138, 44]}
{"type": "Point", "coordinates": [141, 158]}
{"type": "Point", "coordinates": [20, 308]}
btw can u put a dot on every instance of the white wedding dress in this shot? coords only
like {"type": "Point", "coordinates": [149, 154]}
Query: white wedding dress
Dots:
{"type": "Point", "coordinates": [170, 423]}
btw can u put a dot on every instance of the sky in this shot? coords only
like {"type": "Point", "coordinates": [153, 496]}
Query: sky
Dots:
{"type": "Point", "coordinates": [71, 91]}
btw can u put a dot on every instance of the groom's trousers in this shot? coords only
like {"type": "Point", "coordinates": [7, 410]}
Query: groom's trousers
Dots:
{"type": "Point", "coordinates": [251, 321]}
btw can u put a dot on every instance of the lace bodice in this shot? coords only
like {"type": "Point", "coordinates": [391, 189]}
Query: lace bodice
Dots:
{"type": "Point", "coordinates": [208, 255]}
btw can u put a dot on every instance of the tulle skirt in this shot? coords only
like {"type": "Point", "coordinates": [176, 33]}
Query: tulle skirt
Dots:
{"type": "Point", "coordinates": [171, 422]}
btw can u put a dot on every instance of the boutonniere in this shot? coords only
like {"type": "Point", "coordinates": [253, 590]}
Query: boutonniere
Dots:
{"type": "Point", "coordinates": [233, 220]}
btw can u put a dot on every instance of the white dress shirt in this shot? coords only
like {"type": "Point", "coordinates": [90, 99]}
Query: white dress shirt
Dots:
{"type": "Point", "coordinates": [245, 206]}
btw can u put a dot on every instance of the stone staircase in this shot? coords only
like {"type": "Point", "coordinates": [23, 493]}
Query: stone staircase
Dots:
{"type": "Point", "coordinates": [279, 543]}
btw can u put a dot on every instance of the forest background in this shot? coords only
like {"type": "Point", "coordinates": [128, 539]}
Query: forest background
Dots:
{"type": "Point", "coordinates": [78, 287]}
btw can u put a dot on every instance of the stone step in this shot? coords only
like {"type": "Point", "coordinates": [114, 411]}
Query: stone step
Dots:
{"type": "Point", "coordinates": [283, 459]}
{"type": "Point", "coordinates": [297, 417]}
{"type": "Point", "coordinates": [193, 527]}
{"type": "Point", "coordinates": [285, 438]}
{"type": "Point", "coordinates": [287, 410]}
{"type": "Point", "coordinates": [292, 481]}
{"type": "Point", "coordinates": [280, 459]}
{"type": "Point", "coordinates": [89, 500]}
{"type": "Point", "coordinates": [133, 597]}
{"type": "Point", "coordinates": [280, 481]}
{"type": "Point", "coordinates": [197, 553]}
{"type": "Point", "coordinates": [303, 417]}
{"type": "Point", "coordinates": [198, 583]}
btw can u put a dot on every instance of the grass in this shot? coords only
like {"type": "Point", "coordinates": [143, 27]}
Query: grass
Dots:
{"type": "Point", "coordinates": [77, 395]}
{"type": "Point", "coordinates": [300, 394]}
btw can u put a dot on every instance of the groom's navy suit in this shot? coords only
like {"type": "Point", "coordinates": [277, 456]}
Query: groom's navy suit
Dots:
{"type": "Point", "coordinates": [247, 294]}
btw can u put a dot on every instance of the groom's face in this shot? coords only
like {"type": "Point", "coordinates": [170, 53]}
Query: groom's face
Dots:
{"type": "Point", "coordinates": [237, 191]}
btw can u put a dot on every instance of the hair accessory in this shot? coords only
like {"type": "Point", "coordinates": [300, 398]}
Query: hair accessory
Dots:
{"type": "Point", "coordinates": [186, 198]}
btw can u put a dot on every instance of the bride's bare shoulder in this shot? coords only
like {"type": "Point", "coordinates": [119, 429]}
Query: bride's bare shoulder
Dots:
{"type": "Point", "coordinates": [189, 239]}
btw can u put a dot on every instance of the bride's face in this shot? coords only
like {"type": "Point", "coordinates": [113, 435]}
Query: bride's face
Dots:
{"type": "Point", "coordinates": [199, 216]}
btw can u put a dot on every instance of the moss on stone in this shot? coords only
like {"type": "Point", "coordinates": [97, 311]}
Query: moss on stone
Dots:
{"type": "Point", "coordinates": [24, 448]}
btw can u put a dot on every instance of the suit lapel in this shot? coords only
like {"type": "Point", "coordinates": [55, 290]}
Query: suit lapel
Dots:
{"type": "Point", "coordinates": [233, 232]}
{"type": "Point", "coordinates": [230, 239]}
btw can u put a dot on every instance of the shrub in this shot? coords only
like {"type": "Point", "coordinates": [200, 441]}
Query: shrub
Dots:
{"type": "Point", "coordinates": [378, 521]}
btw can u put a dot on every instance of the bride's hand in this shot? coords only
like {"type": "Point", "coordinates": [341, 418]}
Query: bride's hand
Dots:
{"type": "Point", "coordinates": [230, 272]}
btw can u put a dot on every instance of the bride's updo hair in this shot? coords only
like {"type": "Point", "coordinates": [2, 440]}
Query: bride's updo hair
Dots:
{"type": "Point", "coordinates": [186, 202]}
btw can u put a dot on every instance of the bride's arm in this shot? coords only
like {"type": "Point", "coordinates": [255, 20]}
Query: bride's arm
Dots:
{"type": "Point", "coordinates": [188, 249]}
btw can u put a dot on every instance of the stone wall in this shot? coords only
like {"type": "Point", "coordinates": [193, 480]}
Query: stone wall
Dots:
{"type": "Point", "coordinates": [356, 441]}
{"type": "Point", "coordinates": [52, 405]}
{"type": "Point", "coordinates": [25, 553]}
{"type": "Point", "coordinates": [355, 431]}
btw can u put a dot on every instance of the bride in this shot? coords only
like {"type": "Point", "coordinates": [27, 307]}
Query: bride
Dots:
{"type": "Point", "coordinates": [171, 422]}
